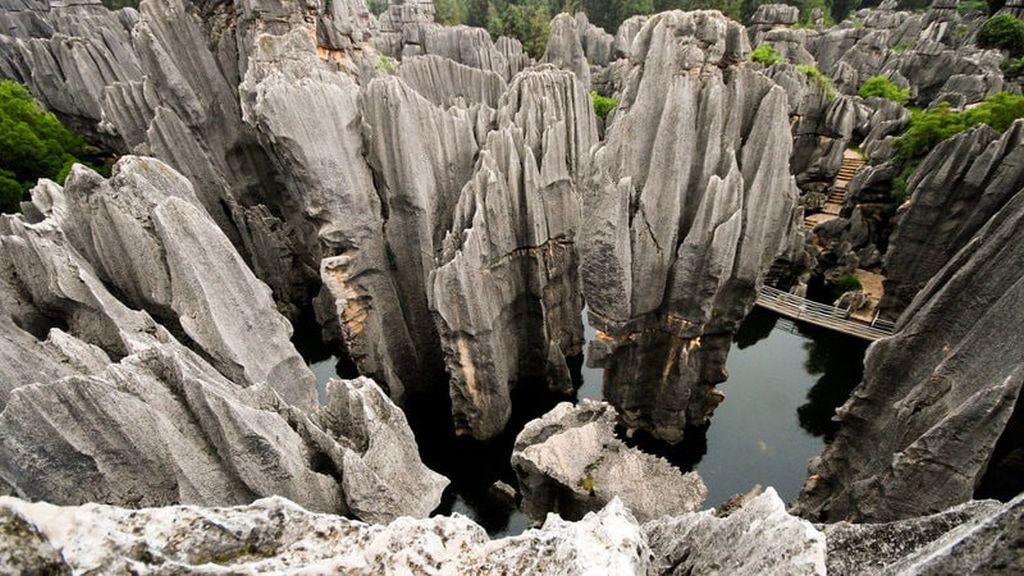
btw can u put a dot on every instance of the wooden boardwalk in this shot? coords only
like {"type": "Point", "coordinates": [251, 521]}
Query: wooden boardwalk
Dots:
{"type": "Point", "coordinates": [837, 319]}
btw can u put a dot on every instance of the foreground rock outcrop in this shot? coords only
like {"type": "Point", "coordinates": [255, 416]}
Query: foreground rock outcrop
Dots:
{"type": "Point", "coordinates": [570, 462]}
{"type": "Point", "coordinates": [690, 201]}
{"type": "Point", "coordinates": [274, 535]}
{"type": "Point", "coordinates": [920, 432]}
{"type": "Point", "coordinates": [162, 371]}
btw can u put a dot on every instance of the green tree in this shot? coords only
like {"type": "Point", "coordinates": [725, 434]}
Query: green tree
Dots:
{"type": "Point", "coordinates": [34, 143]}
{"type": "Point", "coordinates": [451, 12]}
{"type": "Point", "coordinates": [529, 22]}
{"type": "Point", "coordinates": [1004, 32]}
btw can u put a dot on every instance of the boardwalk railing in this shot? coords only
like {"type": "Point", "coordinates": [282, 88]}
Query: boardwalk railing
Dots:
{"type": "Point", "coordinates": [831, 317]}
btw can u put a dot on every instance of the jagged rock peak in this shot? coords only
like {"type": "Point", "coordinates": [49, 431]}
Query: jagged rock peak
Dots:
{"type": "Point", "coordinates": [506, 292]}
{"type": "Point", "coordinates": [688, 202]}
{"type": "Point", "coordinates": [565, 50]}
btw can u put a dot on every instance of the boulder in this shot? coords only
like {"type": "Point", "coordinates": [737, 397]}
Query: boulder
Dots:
{"type": "Point", "coordinates": [570, 462]}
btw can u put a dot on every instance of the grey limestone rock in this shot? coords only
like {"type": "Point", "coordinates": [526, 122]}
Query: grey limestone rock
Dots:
{"type": "Point", "coordinates": [506, 291]}
{"type": "Point", "coordinates": [564, 49]}
{"type": "Point", "coordinates": [624, 36]}
{"type": "Point", "coordinates": [274, 535]}
{"type": "Point", "coordinates": [758, 537]}
{"type": "Point", "coordinates": [147, 236]}
{"type": "Point", "coordinates": [689, 202]}
{"type": "Point", "coordinates": [448, 83]}
{"type": "Point", "coordinates": [855, 549]}
{"type": "Point", "coordinates": [954, 192]}
{"type": "Point", "coordinates": [918, 434]}
{"type": "Point", "coordinates": [570, 462]}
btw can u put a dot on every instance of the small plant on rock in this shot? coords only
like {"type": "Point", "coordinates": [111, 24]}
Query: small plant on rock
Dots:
{"type": "Point", "coordinates": [767, 55]}
{"type": "Point", "coordinates": [882, 87]}
{"type": "Point", "coordinates": [812, 72]}
{"type": "Point", "coordinates": [603, 105]}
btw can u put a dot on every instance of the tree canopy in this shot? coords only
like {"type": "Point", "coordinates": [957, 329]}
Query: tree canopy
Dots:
{"type": "Point", "coordinates": [35, 144]}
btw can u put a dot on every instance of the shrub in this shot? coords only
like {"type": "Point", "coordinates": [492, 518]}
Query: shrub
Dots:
{"type": "Point", "coordinates": [603, 105]}
{"type": "Point", "coordinates": [34, 143]}
{"type": "Point", "coordinates": [766, 54]}
{"type": "Point", "coordinates": [846, 283]}
{"type": "Point", "coordinates": [386, 64]}
{"type": "Point", "coordinates": [882, 87]}
{"type": "Point", "coordinates": [823, 81]}
{"type": "Point", "coordinates": [1004, 32]}
{"type": "Point", "coordinates": [1013, 67]}
{"type": "Point", "coordinates": [928, 128]}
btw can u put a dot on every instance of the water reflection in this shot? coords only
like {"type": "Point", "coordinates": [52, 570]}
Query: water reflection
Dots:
{"type": "Point", "coordinates": [785, 382]}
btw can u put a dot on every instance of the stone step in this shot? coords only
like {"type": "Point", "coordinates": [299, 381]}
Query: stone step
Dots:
{"type": "Point", "coordinates": [830, 208]}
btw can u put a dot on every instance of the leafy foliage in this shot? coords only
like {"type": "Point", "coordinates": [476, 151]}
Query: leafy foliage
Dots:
{"type": "Point", "coordinates": [823, 81]}
{"type": "Point", "coordinates": [386, 64]}
{"type": "Point", "coordinates": [1005, 32]}
{"type": "Point", "coordinates": [603, 105]}
{"type": "Point", "coordinates": [528, 20]}
{"type": "Point", "coordinates": [928, 128]}
{"type": "Point", "coordinates": [1013, 67]}
{"type": "Point", "coordinates": [34, 143]}
{"type": "Point", "coordinates": [766, 54]}
{"type": "Point", "coordinates": [846, 283]}
{"type": "Point", "coordinates": [882, 87]}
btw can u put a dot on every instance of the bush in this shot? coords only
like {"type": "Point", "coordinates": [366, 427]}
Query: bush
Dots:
{"type": "Point", "coordinates": [1004, 32]}
{"type": "Point", "coordinates": [1013, 67]}
{"type": "Point", "coordinates": [846, 283]}
{"type": "Point", "coordinates": [34, 143]}
{"type": "Point", "coordinates": [928, 128]}
{"type": "Point", "coordinates": [823, 81]}
{"type": "Point", "coordinates": [603, 105]}
{"type": "Point", "coordinates": [882, 87]}
{"type": "Point", "coordinates": [386, 64]}
{"type": "Point", "coordinates": [766, 54]}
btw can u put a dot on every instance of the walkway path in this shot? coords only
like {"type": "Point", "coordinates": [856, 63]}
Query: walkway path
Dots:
{"type": "Point", "coordinates": [852, 163]}
{"type": "Point", "coordinates": [838, 319]}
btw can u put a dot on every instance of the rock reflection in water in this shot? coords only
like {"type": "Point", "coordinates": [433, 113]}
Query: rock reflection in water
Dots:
{"type": "Point", "coordinates": [785, 382]}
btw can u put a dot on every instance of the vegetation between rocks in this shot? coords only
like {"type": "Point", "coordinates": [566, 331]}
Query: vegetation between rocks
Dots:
{"type": "Point", "coordinates": [603, 105]}
{"type": "Point", "coordinates": [766, 54]}
{"type": "Point", "coordinates": [1004, 32]}
{"type": "Point", "coordinates": [881, 87]}
{"type": "Point", "coordinates": [35, 145]}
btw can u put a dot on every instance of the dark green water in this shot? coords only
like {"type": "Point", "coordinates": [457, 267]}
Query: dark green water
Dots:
{"type": "Point", "coordinates": [785, 382]}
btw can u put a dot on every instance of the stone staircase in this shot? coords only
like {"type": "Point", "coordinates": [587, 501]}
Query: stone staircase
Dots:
{"type": "Point", "coordinates": [852, 163]}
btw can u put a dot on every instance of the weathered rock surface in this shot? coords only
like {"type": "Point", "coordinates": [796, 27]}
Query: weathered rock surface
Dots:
{"type": "Point", "coordinates": [954, 192]}
{"type": "Point", "coordinates": [448, 83]}
{"type": "Point", "coordinates": [193, 393]}
{"type": "Point", "coordinates": [919, 433]}
{"type": "Point", "coordinates": [564, 49]}
{"type": "Point", "coordinates": [690, 201]}
{"type": "Point", "coordinates": [762, 539]}
{"type": "Point", "coordinates": [148, 238]}
{"type": "Point", "coordinates": [274, 535]}
{"type": "Point", "coordinates": [570, 462]}
{"type": "Point", "coordinates": [506, 292]}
